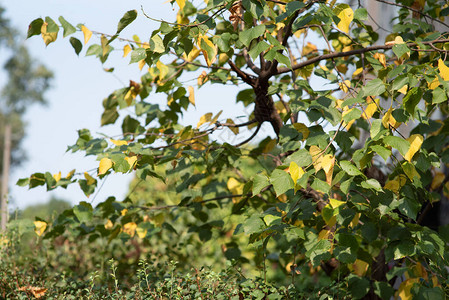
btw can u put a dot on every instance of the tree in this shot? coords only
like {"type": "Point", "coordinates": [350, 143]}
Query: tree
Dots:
{"type": "Point", "coordinates": [26, 84]}
{"type": "Point", "coordinates": [340, 189]}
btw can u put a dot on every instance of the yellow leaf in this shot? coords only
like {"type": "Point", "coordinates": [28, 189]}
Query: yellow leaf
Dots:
{"type": "Point", "coordinates": [327, 164]}
{"type": "Point", "coordinates": [434, 84]}
{"type": "Point", "coordinates": [335, 203]}
{"type": "Point", "coordinates": [437, 180]}
{"type": "Point", "coordinates": [415, 141]}
{"type": "Point", "coordinates": [355, 220]}
{"type": "Point", "coordinates": [191, 95]}
{"type": "Point", "coordinates": [126, 50]}
{"type": "Point", "coordinates": [349, 124]}
{"type": "Point", "coordinates": [118, 142]}
{"type": "Point", "coordinates": [388, 120]}
{"type": "Point", "coordinates": [130, 228]}
{"type": "Point", "coordinates": [404, 290]}
{"type": "Point", "coordinates": [205, 118]}
{"type": "Point", "coordinates": [357, 72]}
{"type": "Point", "coordinates": [48, 37]}
{"type": "Point", "coordinates": [108, 224]}
{"type": "Point", "coordinates": [316, 152]}
{"type": "Point", "coordinates": [163, 69]}
{"type": "Point", "coordinates": [300, 127]}
{"type": "Point", "coordinates": [235, 186]}
{"type": "Point", "coordinates": [87, 33]}
{"type": "Point", "coordinates": [444, 70]}
{"type": "Point", "coordinates": [141, 232]}
{"type": "Point", "coordinates": [203, 78]}
{"type": "Point", "coordinates": [131, 161]}
{"type": "Point", "coordinates": [90, 180]}
{"type": "Point", "coordinates": [205, 39]}
{"type": "Point", "coordinates": [371, 108]}
{"type": "Point", "coordinates": [130, 96]}
{"type": "Point", "coordinates": [280, 107]}
{"type": "Point", "coordinates": [360, 267]}
{"type": "Point", "coordinates": [344, 86]}
{"type": "Point", "coordinates": [403, 90]}
{"type": "Point", "coordinates": [141, 64]}
{"type": "Point", "coordinates": [296, 171]}
{"type": "Point", "coordinates": [215, 118]}
{"type": "Point", "coordinates": [181, 18]}
{"type": "Point", "coordinates": [235, 130]}
{"type": "Point", "coordinates": [269, 146]}
{"type": "Point", "coordinates": [181, 3]}
{"type": "Point", "coordinates": [57, 176]}
{"type": "Point", "coordinates": [192, 54]}
{"type": "Point", "coordinates": [381, 58]}
{"type": "Point", "coordinates": [123, 212]}
{"type": "Point", "coordinates": [70, 174]}
{"type": "Point", "coordinates": [105, 165]}
{"type": "Point", "coordinates": [104, 45]}
{"type": "Point", "coordinates": [392, 185]}
{"type": "Point", "coordinates": [309, 48]}
{"type": "Point", "coordinates": [39, 227]}
{"type": "Point", "coordinates": [346, 16]}
{"type": "Point", "coordinates": [397, 40]}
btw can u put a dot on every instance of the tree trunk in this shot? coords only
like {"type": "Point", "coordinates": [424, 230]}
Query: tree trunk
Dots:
{"type": "Point", "coordinates": [5, 176]}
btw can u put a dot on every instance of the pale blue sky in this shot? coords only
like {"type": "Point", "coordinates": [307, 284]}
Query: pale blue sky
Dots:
{"type": "Point", "coordinates": [79, 87]}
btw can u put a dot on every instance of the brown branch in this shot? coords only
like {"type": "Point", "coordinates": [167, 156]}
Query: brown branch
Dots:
{"type": "Point", "coordinates": [251, 137]}
{"type": "Point", "coordinates": [349, 53]}
{"type": "Point", "coordinates": [237, 125]}
{"type": "Point", "coordinates": [249, 62]}
{"type": "Point", "coordinates": [414, 10]}
{"type": "Point", "coordinates": [244, 76]}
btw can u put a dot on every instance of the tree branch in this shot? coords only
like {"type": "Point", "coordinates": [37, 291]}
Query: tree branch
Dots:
{"type": "Point", "coordinates": [349, 53]}
{"type": "Point", "coordinates": [244, 76]}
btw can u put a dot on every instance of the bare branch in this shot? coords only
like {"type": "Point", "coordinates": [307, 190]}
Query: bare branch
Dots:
{"type": "Point", "coordinates": [349, 53]}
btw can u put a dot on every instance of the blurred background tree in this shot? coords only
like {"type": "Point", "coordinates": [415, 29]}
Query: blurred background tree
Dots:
{"type": "Point", "coordinates": [26, 83]}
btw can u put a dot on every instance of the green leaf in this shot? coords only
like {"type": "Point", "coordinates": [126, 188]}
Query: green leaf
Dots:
{"type": "Point", "coordinates": [358, 286]}
{"type": "Point", "coordinates": [400, 49]}
{"type": "Point", "coordinates": [260, 181]}
{"type": "Point", "coordinates": [281, 181]}
{"type": "Point", "coordinates": [412, 99]}
{"type": "Point", "coordinates": [320, 185]}
{"type": "Point", "coordinates": [352, 114]}
{"type": "Point", "coordinates": [83, 212]}
{"type": "Point", "coordinates": [398, 143]}
{"type": "Point", "coordinates": [372, 184]}
{"type": "Point", "coordinates": [88, 189]}
{"type": "Point", "coordinates": [109, 116]}
{"type": "Point", "coordinates": [374, 87]}
{"type": "Point", "coordinates": [94, 50]}
{"type": "Point", "coordinates": [290, 9]}
{"type": "Point", "coordinates": [438, 95]}
{"type": "Point", "coordinates": [350, 168]}
{"type": "Point", "coordinates": [127, 19]}
{"type": "Point", "coordinates": [68, 28]}
{"type": "Point", "coordinates": [399, 249]}
{"type": "Point", "coordinates": [37, 179]}
{"type": "Point", "coordinates": [382, 151]}
{"type": "Point", "coordinates": [51, 25]}
{"type": "Point", "coordinates": [376, 128]}
{"type": "Point", "coordinates": [409, 207]}
{"type": "Point", "coordinates": [35, 27]}
{"type": "Point", "coordinates": [137, 55]}
{"type": "Point", "coordinates": [361, 14]}
{"type": "Point", "coordinates": [76, 44]}
{"type": "Point", "coordinates": [253, 224]}
{"type": "Point", "coordinates": [248, 35]}
{"type": "Point", "coordinates": [23, 182]}
{"type": "Point", "coordinates": [257, 49]}
{"type": "Point", "coordinates": [157, 44]}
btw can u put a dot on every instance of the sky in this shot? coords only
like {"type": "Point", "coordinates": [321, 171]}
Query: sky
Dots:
{"type": "Point", "coordinates": [79, 86]}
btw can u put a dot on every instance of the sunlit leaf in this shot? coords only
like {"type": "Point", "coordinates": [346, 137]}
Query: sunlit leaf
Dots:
{"type": "Point", "coordinates": [39, 227]}
{"type": "Point", "coordinates": [131, 160]}
{"type": "Point", "coordinates": [181, 4]}
{"type": "Point", "coordinates": [87, 34]}
{"type": "Point", "coordinates": [130, 228]}
{"type": "Point", "coordinates": [444, 70]}
{"type": "Point", "coordinates": [105, 165]}
{"type": "Point", "coordinates": [415, 141]}
{"type": "Point", "coordinates": [57, 176]}
{"type": "Point", "coordinates": [437, 180]}
{"type": "Point", "coordinates": [346, 16]}
{"type": "Point", "coordinates": [126, 50]}
{"type": "Point", "coordinates": [205, 118]}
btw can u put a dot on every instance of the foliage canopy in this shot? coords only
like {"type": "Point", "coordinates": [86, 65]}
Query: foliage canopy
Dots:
{"type": "Point", "coordinates": [343, 184]}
